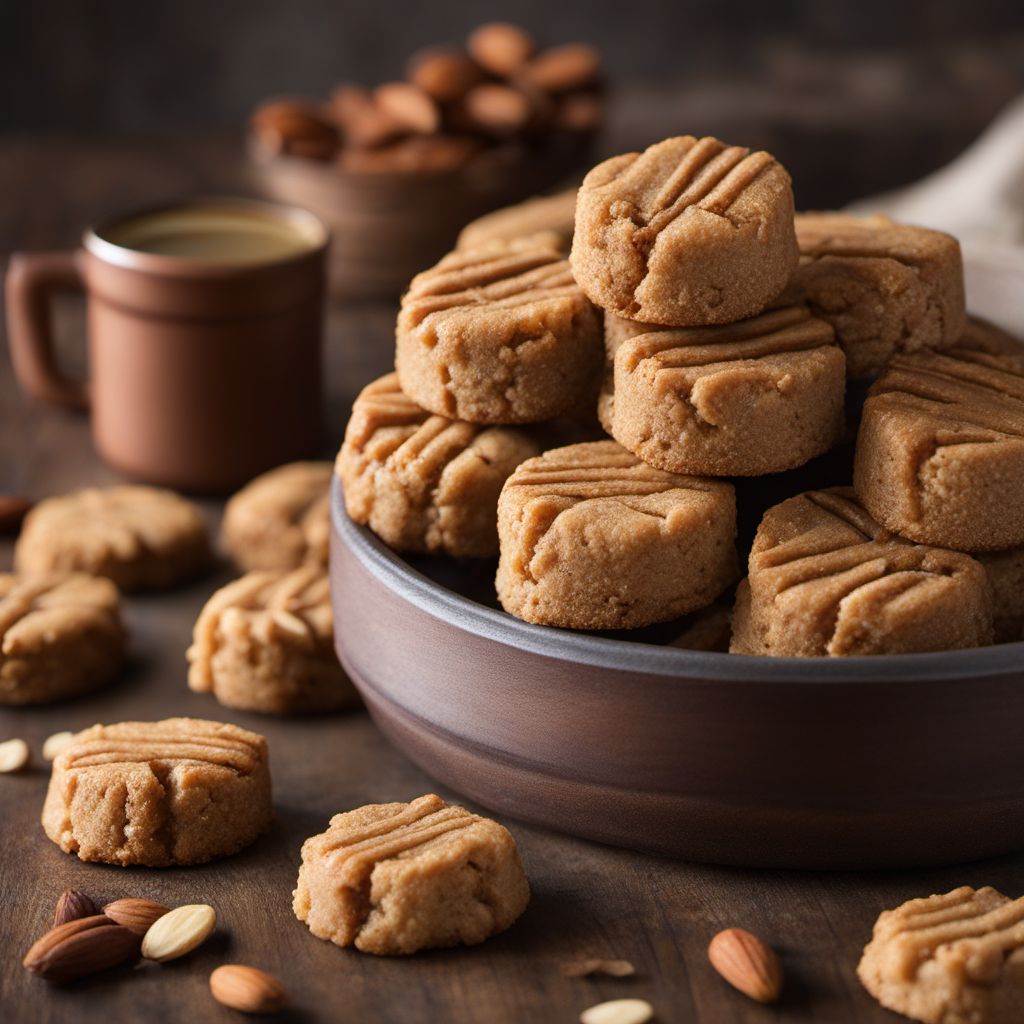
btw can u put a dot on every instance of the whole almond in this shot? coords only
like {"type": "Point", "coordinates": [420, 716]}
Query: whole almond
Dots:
{"type": "Point", "coordinates": [247, 989]}
{"type": "Point", "coordinates": [747, 963]}
{"type": "Point", "coordinates": [71, 906]}
{"type": "Point", "coordinates": [444, 74]}
{"type": "Point", "coordinates": [296, 127]}
{"type": "Point", "coordinates": [54, 744]}
{"type": "Point", "coordinates": [619, 1011]}
{"type": "Point", "coordinates": [136, 915]}
{"type": "Point", "coordinates": [410, 106]}
{"type": "Point", "coordinates": [179, 932]}
{"type": "Point", "coordinates": [12, 512]}
{"type": "Point", "coordinates": [500, 47]}
{"type": "Point", "coordinates": [564, 68]}
{"type": "Point", "coordinates": [81, 947]}
{"type": "Point", "coordinates": [498, 109]}
{"type": "Point", "coordinates": [14, 755]}
{"type": "Point", "coordinates": [584, 968]}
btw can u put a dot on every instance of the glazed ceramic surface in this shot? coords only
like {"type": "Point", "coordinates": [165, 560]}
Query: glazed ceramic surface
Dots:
{"type": "Point", "coordinates": [815, 763]}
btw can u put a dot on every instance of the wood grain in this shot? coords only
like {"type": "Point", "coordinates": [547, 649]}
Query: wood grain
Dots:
{"type": "Point", "coordinates": [588, 900]}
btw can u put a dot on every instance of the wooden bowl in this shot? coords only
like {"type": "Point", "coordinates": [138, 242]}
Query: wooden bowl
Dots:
{"type": "Point", "coordinates": [388, 226]}
{"type": "Point", "coordinates": [904, 760]}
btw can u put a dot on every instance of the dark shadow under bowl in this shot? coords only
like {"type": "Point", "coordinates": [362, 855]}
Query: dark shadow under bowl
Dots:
{"type": "Point", "coordinates": [894, 761]}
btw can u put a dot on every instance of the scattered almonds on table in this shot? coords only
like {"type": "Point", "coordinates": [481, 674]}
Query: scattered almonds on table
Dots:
{"type": "Point", "coordinates": [13, 755]}
{"type": "Point", "coordinates": [583, 968]}
{"type": "Point", "coordinates": [179, 932]}
{"type": "Point", "coordinates": [136, 915]}
{"type": "Point", "coordinates": [71, 906]}
{"type": "Point", "coordinates": [619, 1011]}
{"type": "Point", "coordinates": [247, 989]}
{"type": "Point", "coordinates": [747, 963]}
{"type": "Point", "coordinates": [54, 744]}
{"type": "Point", "coordinates": [81, 947]}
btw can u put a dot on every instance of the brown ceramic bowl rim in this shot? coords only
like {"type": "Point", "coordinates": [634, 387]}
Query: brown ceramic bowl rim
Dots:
{"type": "Point", "coordinates": [628, 656]}
{"type": "Point", "coordinates": [96, 242]}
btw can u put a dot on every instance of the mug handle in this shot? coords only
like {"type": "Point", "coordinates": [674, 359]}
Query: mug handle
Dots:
{"type": "Point", "coordinates": [32, 278]}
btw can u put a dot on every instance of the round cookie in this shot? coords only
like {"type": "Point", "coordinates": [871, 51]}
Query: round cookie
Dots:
{"type": "Point", "coordinates": [547, 218]}
{"type": "Point", "coordinates": [940, 452]}
{"type": "Point", "coordinates": [498, 334]}
{"type": "Point", "coordinates": [825, 579]}
{"type": "Point", "coordinates": [266, 643]}
{"type": "Point", "coordinates": [280, 519]}
{"type": "Point", "coordinates": [140, 537]}
{"type": "Point", "coordinates": [423, 482]}
{"type": "Point", "coordinates": [759, 396]}
{"type": "Point", "coordinates": [886, 288]}
{"type": "Point", "coordinates": [60, 635]}
{"type": "Point", "coordinates": [593, 538]}
{"type": "Point", "coordinates": [397, 878]}
{"type": "Point", "coordinates": [689, 232]}
{"type": "Point", "coordinates": [180, 791]}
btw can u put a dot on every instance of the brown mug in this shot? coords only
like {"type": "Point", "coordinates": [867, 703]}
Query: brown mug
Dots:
{"type": "Point", "coordinates": [205, 324]}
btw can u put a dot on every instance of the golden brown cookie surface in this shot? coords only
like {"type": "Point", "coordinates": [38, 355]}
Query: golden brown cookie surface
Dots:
{"type": "Point", "coordinates": [60, 635]}
{"type": "Point", "coordinates": [940, 453]}
{"type": "Point", "coordinates": [955, 958]}
{"type": "Point", "coordinates": [397, 878]}
{"type": "Point", "coordinates": [140, 537]}
{"type": "Point", "coordinates": [758, 396]}
{"type": "Point", "coordinates": [498, 334]}
{"type": "Point", "coordinates": [423, 482]}
{"type": "Point", "coordinates": [1005, 571]}
{"type": "Point", "coordinates": [280, 519]}
{"type": "Point", "coordinates": [825, 579]}
{"type": "Point", "coordinates": [265, 642]}
{"type": "Point", "coordinates": [547, 217]}
{"type": "Point", "coordinates": [689, 232]}
{"type": "Point", "coordinates": [593, 538]}
{"type": "Point", "coordinates": [179, 791]}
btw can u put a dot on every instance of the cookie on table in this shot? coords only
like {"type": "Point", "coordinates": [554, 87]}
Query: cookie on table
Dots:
{"type": "Point", "coordinates": [266, 643]}
{"type": "Point", "coordinates": [689, 232]}
{"type": "Point", "coordinates": [280, 519]}
{"type": "Point", "coordinates": [758, 396]}
{"type": "Point", "coordinates": [423, 482]}
{"type": "Point", "coordinates": [397, 878]}
{"type": "Point", "coordinates": [940, 452]}
{"type": "Point", "coordinates": [955, 958]}
{"type": "Point", "coordinates": [825, 579]}
{"type": "Point", "coordinates": [60, 635]}
{"type": "Point", "coordinates": [593, 538]}
{"type": "Point", "coordinates": [547, 218]}
{"type": "Point", "coordinates": [1006, 579]}
{"type": "Point", "coordinates": [142, 538]}
{"type": "Point", "coordinates": [180, 791]}
{"type": "Point", "coordinates": [886, 288]}
{"type": "Point", "coordinates": [498, 334]}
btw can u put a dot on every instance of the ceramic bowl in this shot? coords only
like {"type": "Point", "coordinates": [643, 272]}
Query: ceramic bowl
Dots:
{"type": "Point", "coordinates": [777, 762]}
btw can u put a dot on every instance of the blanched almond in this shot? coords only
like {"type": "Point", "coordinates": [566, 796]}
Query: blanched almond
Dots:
{"type": "Point", "coordinates": [179, 932]}
{"type": "Point", "coordinates": [14, 755]}
{"type": "Point", "coordinates": [619, 1011]}
{"type": "Point", "coordinates": [54, 744]}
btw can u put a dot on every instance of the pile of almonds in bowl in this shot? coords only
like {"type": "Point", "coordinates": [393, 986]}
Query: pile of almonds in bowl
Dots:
{"type": "Point", "coordinates": [454, 104]}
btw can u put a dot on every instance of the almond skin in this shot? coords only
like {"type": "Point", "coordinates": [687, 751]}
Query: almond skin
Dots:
{"type": "Point", "coordinates": [71, 906]}
{"type": "Point", "coordinates": [137, 915]}
{"type": "Point", "coordinates": [747, 963]}
{"type": "Point", "coordinates": [247, 989]}
{"type": "Point", "coordinates": [500, 47]}
{"type": "Point", "coordinates": [81, 947]}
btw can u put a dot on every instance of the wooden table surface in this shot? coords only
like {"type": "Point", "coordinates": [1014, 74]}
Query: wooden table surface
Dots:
{"type": "Point", "coordinates": [587, 901]}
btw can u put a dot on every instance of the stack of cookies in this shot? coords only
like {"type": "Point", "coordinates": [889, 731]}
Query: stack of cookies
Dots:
{"type": "Point", "coordinates": [732, 331]}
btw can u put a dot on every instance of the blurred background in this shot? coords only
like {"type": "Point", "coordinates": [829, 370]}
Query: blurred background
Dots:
{"type": "Point", "coordinates": [854, 97]}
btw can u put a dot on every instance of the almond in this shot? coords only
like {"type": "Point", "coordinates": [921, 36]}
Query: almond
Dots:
{"type": "Point", "coordinates": [583, 968]}
{"type": "Point", "coordinates": [81, 947]}
{"type": "Point", "coordinates": [179, 932]}
{"type": "Point", "coordinates": [500, 47]}
{"type": "Point", "coordinates": [564, 68]}
{"type": "Point", "coordinates": [444, 74]}
{"type": "Point", "coordinates": [747, 963]}
{"type": "Point", "coordinates": [498, 109]}
{"type": "Point", "coordinates": [137, 915]}
{"type": "Point", "coordinates": [54, 744]}
{"type": "Point", "coordinates": [410, 106]}
{"type": "Point", "coordinates": [619, 1011]}
{"type": "Point", "coordinates": [12, 511]}
{"type": "Point", "coordinates": [247, 989]}
{"type": "Point", "coordinates": [71, 906]}
{"type": "Point", "coordinates": [13, 755]}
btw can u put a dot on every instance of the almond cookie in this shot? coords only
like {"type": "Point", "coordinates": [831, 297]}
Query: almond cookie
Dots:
{"type": "Point", "coordinates": [546, 218]}
{"type": "Point", "coordinates": [60, 635]}
{"type": "Point", "coordinates": [886, 288]}
{"type": "Point", "coordinates": [689, 232]}
{"type": "Point", "coordinates": [280, 519]}
{"type": "Point", "coordinates": [593, 538]}
{"type": "Point", "coordinates": [142, 538]}
{"type": "Point", "coordinates": [266, 643]}
{"type": "Point", "coordinates": [957, 958]}
{"type": "Point", "coordinates": [423, 482]}
{"type": "Point", "coordinates": [1006, 579]}
{"type": "Point", "coordinates": [826, 579]}
{"type": "Point", "coordinates": [498, 334]}
{"type": "Point", "coordinates": [180, 791]}
{"type": "Point", "coordinates": [397, 878]}
{"type": "Point", "coordinates": [940, 453]}
{"type": "Point", "coordinates": [759, 396]}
